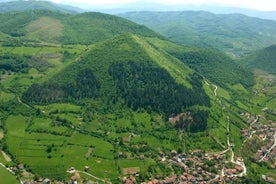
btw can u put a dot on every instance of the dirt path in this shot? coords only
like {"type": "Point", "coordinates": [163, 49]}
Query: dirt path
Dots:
{"type": "Point", "coordinates": [94, 177]}
{"type": "Point", "coordinates": [230, 146]}
{"type": "Point", "coordinates": [19, 100]}
{"type": "Point", "coordinates": [7, 158]}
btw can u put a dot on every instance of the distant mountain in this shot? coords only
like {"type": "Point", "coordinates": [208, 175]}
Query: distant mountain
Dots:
{"type": "Point", "coordinates": [8, 6]}
{"type": "Point", "coordinates": [264, 59]}
{"type": "Point", "coordinates": [56, 27]}
{"type": "Point", "coordinates": [149, 6]}
{"type": "Point", "coordinates": [233, 33]}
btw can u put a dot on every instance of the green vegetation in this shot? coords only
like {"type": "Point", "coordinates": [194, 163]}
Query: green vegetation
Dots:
{"type": "Point", "coordinates": [263, 60]}
{"type": "Point", "coordinates": [113, 99]}
{"type": "Point", "coordinates": [51, 137]}
{"type": "Point", "coordinates": [7, 177]}
{"type": "Point", "coordinates": [34, 5]}
{"type": "Point", "coordinates": [235, 34]}
{"type": "Point", "coordinates": [55, 27]}
{"type": "Point", "coordinates": [210, 63]}
{"type": "Point", "coordinates": [145, 86]}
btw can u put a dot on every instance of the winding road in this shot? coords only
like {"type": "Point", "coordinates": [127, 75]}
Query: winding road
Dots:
{"type": "Point", "coordinates": [270, 149]}
{"type": "Point", "coordinates": [240, 163]}
{"type": "Point", "coordinates": [230, 147]}
{"type": "Point", "coordinates": [215, 90]}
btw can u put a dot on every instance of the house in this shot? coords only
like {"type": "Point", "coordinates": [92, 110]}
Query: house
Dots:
{"type": "Point", "coordinates": [20, 166]}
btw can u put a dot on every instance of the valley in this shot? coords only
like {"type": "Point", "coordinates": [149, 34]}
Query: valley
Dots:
{"type": "Point", "coordinates": [95, 98]}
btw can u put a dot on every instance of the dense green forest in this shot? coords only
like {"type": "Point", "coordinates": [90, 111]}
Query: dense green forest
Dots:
{"type": "Point", "coordinates": [216, 66]}
{"type": "Point", "coordinates": [143, 85]}
{"type": "Point", "coordinates": [84, 86]}
{"type": "Point", "coordinates": [14, 63]}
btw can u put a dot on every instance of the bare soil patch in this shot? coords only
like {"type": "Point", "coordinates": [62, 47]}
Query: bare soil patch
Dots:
{"type": "Point", "coordinates": [7, 158]}
{"type": "Point", "coordinates": [89, 151]}
{"type": "Point", "coordinates": [131, 170]}
{"type": "Point", "coordinates": [184, 116]}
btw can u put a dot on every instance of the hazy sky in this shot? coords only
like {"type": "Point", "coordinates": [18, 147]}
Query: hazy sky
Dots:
{"type": "Point", "coordinates": [252, 4]}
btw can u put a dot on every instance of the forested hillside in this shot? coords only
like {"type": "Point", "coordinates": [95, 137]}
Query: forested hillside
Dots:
{"type": "Point", "coordinates": [235, 34]}
{"type": "Point", "coordinates": [127, 72]}
{"type": "Point", "coordinates": [20, 6]}
{"type": "Point", "coordinates": [264, 60]}
{"type": "Point", "coordinates": [210, 63]}
{"type": "Point", "coordinates": [55, 27]}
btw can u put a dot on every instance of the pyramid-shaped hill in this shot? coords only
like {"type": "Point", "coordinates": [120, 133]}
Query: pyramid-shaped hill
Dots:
{"type": "Point", "coordinates": [55, 27]}
{"type": "Point", "coordinates": [125, 69]}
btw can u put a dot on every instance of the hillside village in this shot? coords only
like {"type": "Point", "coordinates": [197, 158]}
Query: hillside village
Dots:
{"type": "Point", "coordinates": [266, 133]}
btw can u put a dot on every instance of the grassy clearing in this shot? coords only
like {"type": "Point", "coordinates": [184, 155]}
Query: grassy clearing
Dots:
{"type": "Point", "coordinates": [239, 88]}
{"type": "Point", "coordinates": [45, 124]}
{"type": "Point", "coordinates": [241, 105]}
{"type": "Point", "coordinates": [223, 93]}
{"type": "Point", "coordinates": [142, 164]}
{"type": "Point", "coordinates": [5, 97]}
{"type": "Point", "coordinates": [65, 107]}
{"type": "Point", "coordinates": [46, 29]}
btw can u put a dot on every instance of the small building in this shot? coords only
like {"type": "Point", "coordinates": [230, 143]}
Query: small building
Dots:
{"type": "Point", "coordinates": [20, 166]}
{"type": "Point", "coordinates": [86, 168]}
{"type": "Point", "coordinates": [46, 181]}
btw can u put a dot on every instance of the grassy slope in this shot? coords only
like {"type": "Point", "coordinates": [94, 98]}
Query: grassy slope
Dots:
{"type": "Point", "coordinates": [235, 34]}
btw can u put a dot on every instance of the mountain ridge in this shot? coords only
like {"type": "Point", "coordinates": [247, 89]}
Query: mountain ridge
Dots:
{"type": "Point", "coordinates": [20, 6]}
{"type": "Point", "coordinates": [235, 34]}
{"type": "Point", "coordinates": [85, 28]}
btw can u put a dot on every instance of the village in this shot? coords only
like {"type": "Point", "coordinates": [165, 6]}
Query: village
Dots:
{"type": "Point", "coordinates": [266, 133]}
{"type": "Point", "coordinates": [196, 167]}
{"type": "Point", "coordinates": [199, 167]}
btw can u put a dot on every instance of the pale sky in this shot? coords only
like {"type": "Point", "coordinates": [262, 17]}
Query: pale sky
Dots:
{"type": "Point", "coordinates": [266, 5]}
